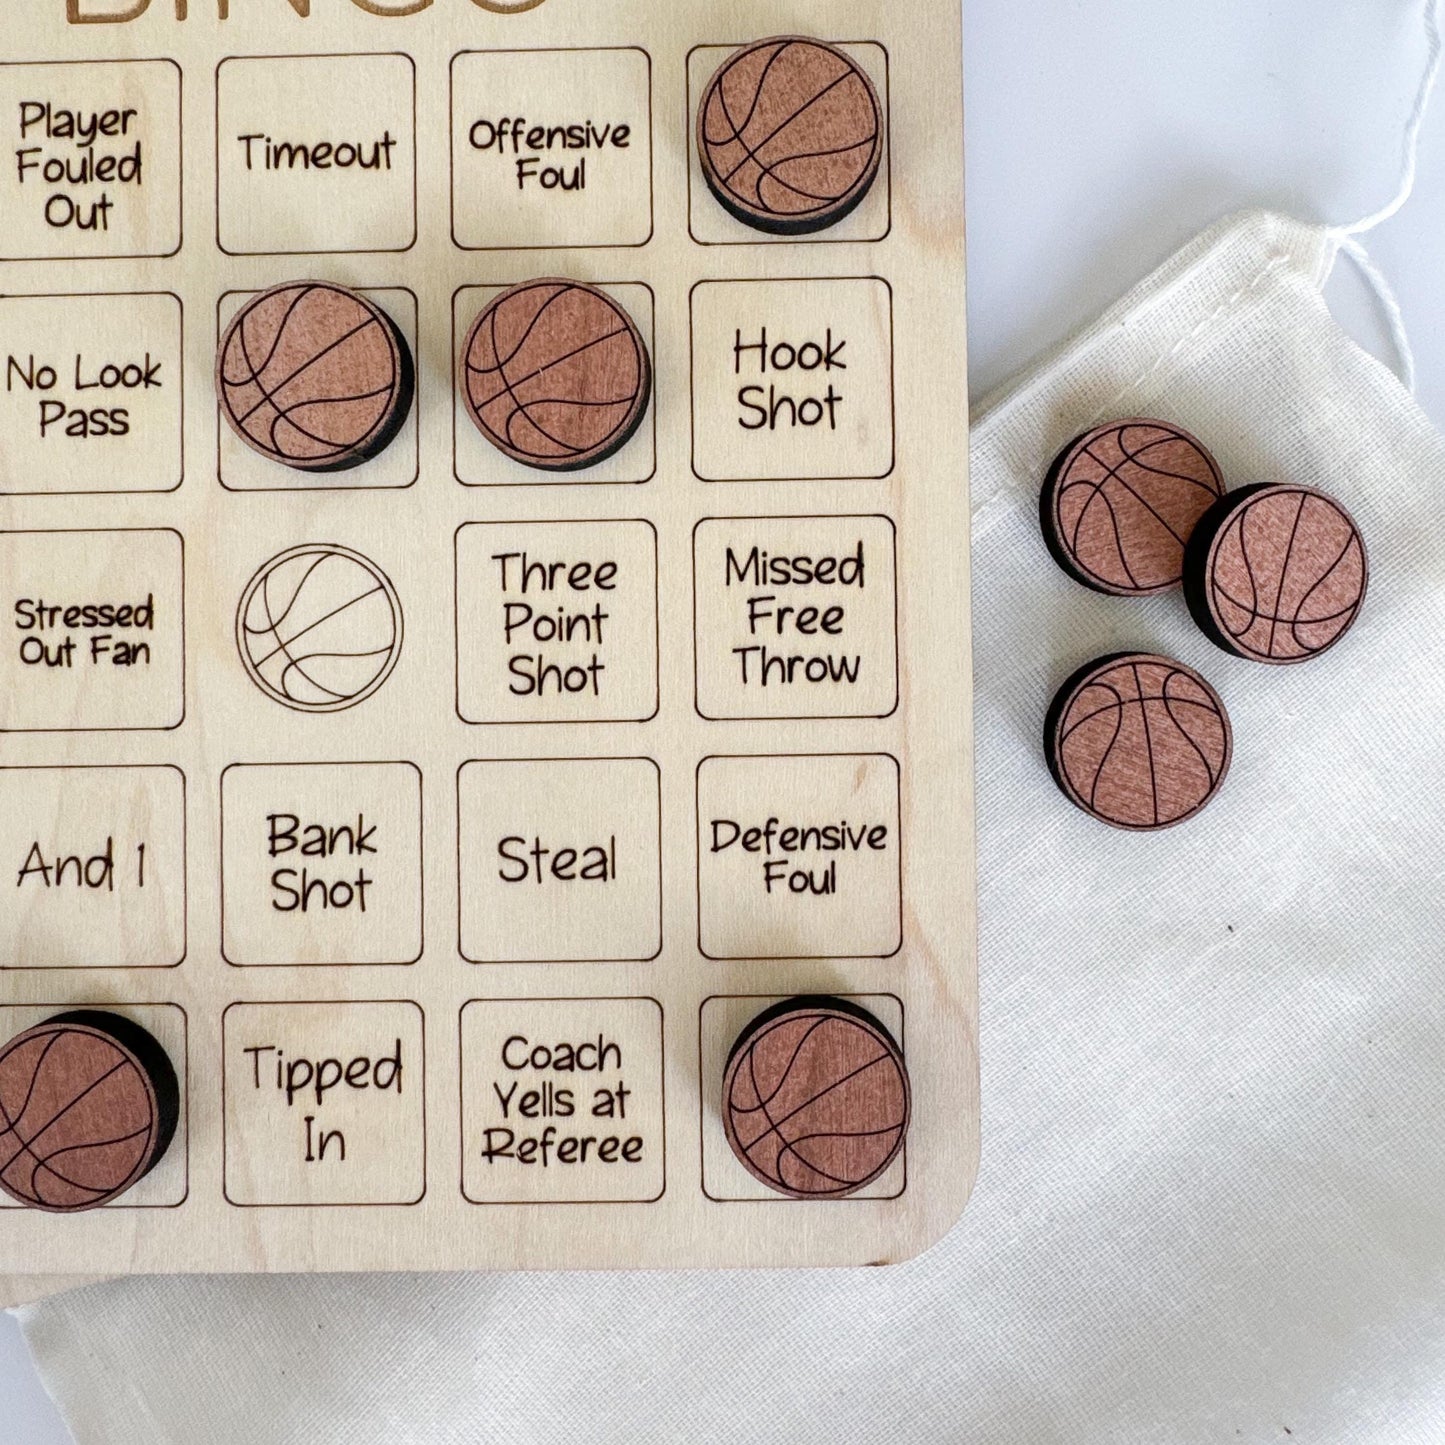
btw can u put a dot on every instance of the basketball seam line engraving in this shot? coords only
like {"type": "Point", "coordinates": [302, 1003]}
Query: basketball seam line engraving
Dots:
{"type": "Point", "coordinates": [267, 397]}
{"type": "Point", "coordinates": [25, 1144]}
{"type": "Point", "coordinates": [817, 1023]}
{"type": "Point", "coordinates": [768, 169]}
{"type": "Point", "coordinates": [790, 1149]}
{"type": "Point", "coordinates": [48, 1166]}
{"type": "Point", "coordinates": [777, 1124]}
{"type": "Point", "coordinates": [566, 448]}
{"type": "Point", "coordinates": [1148, 737]}
{"type": "Point", "coordinates": [311, 627]}
{"type": "Point", "coordinates": [286, 416]}
{"type": "Point", "coordinates": [752, 150]}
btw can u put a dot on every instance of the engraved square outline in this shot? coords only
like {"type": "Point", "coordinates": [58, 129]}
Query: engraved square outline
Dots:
{"type": "Point", "coordinates": [765, 1000]}
{"type": "Point", "coordinates": [330, 486]}
{"type": "Point", "coordinates": [818, 238]}
{"type": "Point", "coordinates": [318, 1003]}
{"type": "Point", "coordinates": [462, 1097]}
{"type": "Point", "coordinates": [571, 479]}
{"type": "Point", "coordinates": [185, 864]}
{"type": "Point", "coordinates": [183, 1075]}
{"type": "Point", "coordinates": [181, 336]}
{"type": "Point", "coordinates": [552, 50]}
{"type": "Point", "coordinates": [421, 859]}
{"type": "Point", "coordinates": [180, 154]}
{"type": "Point", "coordinates": [554, 721]}
{"type": "Point", "coordinates": [106, 532]}
{"type": "Point", "coordinates": [692, 377]}
{"type": "Point", "coordinates": [533, 962]}
{"type": "Point", "coordinates": [415, 157]}
{"type": "Point", "coordinates": [796, 717]}
{"type": "Point", "coordinates": [795, 757]}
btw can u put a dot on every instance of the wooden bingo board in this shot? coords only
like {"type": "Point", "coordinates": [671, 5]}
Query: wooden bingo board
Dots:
{"type": "Point", "coordinates": [445, 811]}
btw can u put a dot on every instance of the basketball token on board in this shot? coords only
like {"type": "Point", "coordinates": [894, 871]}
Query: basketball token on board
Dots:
{"type": "Point", "coordinates": [314, 376]}
{"type": "Point", "coordinates": [555, 374]}
{"type": "Point", "coordinates": [1138, 741]}
{"type": "Point", "coordinates": [319, 628]}
{"type": "Point", "coordinates": [89, 1104]}
{"type": "Point", "coordinates": [816, 1098]}
{"type": "Point", "coordinates": [1121, 502]}
{"type": "Point", "coordinates": [790, 134]}
{"type": "Point", "coordinates": [1276, 573]}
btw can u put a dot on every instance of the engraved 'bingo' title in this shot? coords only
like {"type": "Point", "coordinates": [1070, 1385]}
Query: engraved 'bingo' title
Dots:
{"type": "Point", "coordinates": [93, 12]}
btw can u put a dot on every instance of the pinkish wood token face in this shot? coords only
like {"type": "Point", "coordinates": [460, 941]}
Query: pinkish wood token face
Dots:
{"type": "Point", "coordinates": [1121, 502]}
{"type": "Point", "coordinates": [1138, 741]}
{"type": "Point", "coordinates": [790, 134]}
{"type": "Point", "coordinates": [554, 373]}
{"type": "Point", "coordinates": [816, 1098]}
{"type": "Point", "coordinates": [314, 376]}
{"type": "Point", "coordinates": [1276, 573]}
{"type": "Point", "coordinates": [88, 1105]}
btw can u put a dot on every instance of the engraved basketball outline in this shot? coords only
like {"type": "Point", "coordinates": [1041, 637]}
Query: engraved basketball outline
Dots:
{"type": "Point", "coordinates": [821, 1008]}
{"type": "Point", "coordinates": [1202, 554]}
{"type": "Point", "coordinates": [1087, 676]}
{"type": "Point", "coordinates": [827, 213]}
{"type": "Point", "coordinates": [388, 425]}
{"type": "Point", "coordinates": [321, 550]}
{"type": "Point", "coordinates": [625, 430]}
{"type": "Point", "coordinates": [139, 1051]}
{"type": "Point", "coordinates": [1051, 496]}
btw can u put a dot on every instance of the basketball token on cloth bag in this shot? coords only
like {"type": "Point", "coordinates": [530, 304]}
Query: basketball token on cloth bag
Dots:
{"type": "Point", "coordinates": [314, 376]}
{"type": "Point", "coordinates": [1121, 502]}
{"type": "Point", "coordinates": [1138, 741]}
{"type": "Point", "coordinates": [1276, 573]}
{"type": "Point", "coordinates": [816, 1098]}
{"type": "Point", "coordinates": [790, 134]}
{"type": "Point", "coordinates": [555, 374]}
{"type": "Point", "coordinates": [88, 1105]}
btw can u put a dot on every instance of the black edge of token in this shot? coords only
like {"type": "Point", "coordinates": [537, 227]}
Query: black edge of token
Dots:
{"type": "Point", "coordinates": [1056, 709]}
{"type": "Point", "coordinates": [1048, 494]}
{"type": "Point", "coordinates": [147, 1051]}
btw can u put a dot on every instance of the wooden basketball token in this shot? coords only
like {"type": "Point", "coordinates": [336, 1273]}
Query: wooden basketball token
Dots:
{"type": "Point", "coordinates": [1138, 741]}
{"type": "Point", "coordinates": [790, 134]}
{"type": "Point", "coordinates": [1276, 573]}
{"type": "Point", "coordinates": [314, 376]}
{"type": "Point", "coordinates": [88, 1106]}
{"type": "Point", "coordinates": [555, 374]}
{"type": "Point", "coordinates": [816, 1098]}
{"type": "Point", "coordinates": [1120, 503]}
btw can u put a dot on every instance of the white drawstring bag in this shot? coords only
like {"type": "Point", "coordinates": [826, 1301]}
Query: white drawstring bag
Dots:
{"type": "Point", "coordinates": [1212, 1202]}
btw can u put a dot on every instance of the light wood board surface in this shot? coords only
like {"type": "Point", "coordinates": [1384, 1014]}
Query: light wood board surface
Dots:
{"type": "Point", "coordinates": [181, 762]}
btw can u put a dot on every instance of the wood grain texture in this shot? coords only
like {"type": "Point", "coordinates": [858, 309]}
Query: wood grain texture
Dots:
{"type": "Point", "coordinates": [903, 397]}
{"type": "Point", "coordinates": [1121, 502]}
{"type": "Point", "coordinates": [1276, 574]}
{"type": "Point", "coordinates": [816, 1098]}
{"type": "Point", "coordinates": [555, 374]}
{"type": "Point", "coordinates": [1138, 741]}
{"type": "Point", "coordinates": [314, 376]}
{"type": "Point", "coordinates": [790, 134]}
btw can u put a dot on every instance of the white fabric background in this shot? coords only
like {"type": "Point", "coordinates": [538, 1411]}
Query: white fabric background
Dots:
{"type": "Point", "coordinates": [1211, 1190]}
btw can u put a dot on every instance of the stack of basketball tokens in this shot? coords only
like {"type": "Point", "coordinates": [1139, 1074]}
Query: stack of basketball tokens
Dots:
{"type": "Point", "coordinates": [89, 1104]}
{"type": "Point", "coordinates": [1274, 573]}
